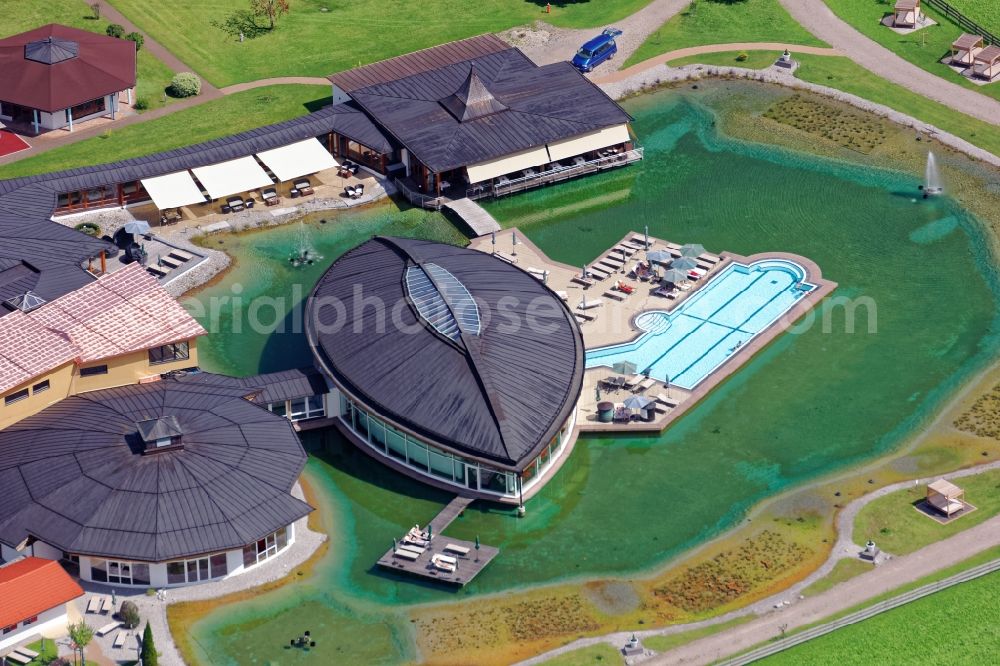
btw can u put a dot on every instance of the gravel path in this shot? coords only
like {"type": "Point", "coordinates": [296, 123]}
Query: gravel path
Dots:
{"type": "Point", "coordinates": [816, 17]}
{"type": "Point", "coordinates": [788, 608]}
{"type": "Point", "coordinates": [281, 80]}
{"type": "Point", "coordinates": [546, 44]}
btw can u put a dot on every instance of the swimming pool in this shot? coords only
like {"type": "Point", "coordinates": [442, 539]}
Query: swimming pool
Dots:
{"type": "Point", "coordinates": [686, 345]}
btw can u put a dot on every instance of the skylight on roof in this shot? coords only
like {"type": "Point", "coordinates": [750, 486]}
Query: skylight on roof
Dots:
{"type": "Point", "coordinates": [443, 301]}
{"type": "Point", "coordinates": [26, 302]}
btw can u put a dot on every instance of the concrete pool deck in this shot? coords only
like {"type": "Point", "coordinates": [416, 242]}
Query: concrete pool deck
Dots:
{"type": "Point", "coordinates": [614, 322]}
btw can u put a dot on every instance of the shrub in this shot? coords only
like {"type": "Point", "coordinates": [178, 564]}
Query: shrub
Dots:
{"type": "Point", "coordinates": [115, 30]}
{"type": "Point", "coordinates": [141, 104]}
{"type": "Point", "coordinates": [95, 10]}
{"type": "Point", "coordinates": [742, 56]}
{"type": "Point", "coordinates": [150, 592]}
{"type": "Point", "coordinates": [185, 84]}
{"type": "Point", "coordinates": [59, 661]}
{"type": "Point", "coordinates": [89, 228]}
{"type": "Point", "coordinates": [137, 38]}
{"type": "Point", "coordinates": [129, 614]}
{"type": "Point", "coordinates": [148, 654]}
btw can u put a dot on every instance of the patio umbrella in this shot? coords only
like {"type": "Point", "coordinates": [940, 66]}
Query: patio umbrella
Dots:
{"type": "Point", "coordinates": [660, 257]}
{"type": "Point", "coordinates": [638, 402]}
{"type": "Point", "coordinates": [684, 264]}
{"type": "Point", "coordinates": [692, 250]}
{"type": "Point", "coordinates": [646, 235]}
{"type": "Point", "coordinates": [625, 367]}
{"type": "Point", "coordinates": [137, 227]}
{"type": "Point", "coordinates": [513, 241]}
{"type": "Point", "coordinates": [584, 271]}
{"type": "Point", "coordinates": [430, 532]}
{"type": "Point", "coordinates": [675, 276]}
{"type": "Point", "coordinates": [494, 239]}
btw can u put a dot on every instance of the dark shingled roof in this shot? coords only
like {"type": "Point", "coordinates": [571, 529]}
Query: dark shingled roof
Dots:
{"type": "Point", "coordinates": [272, 386]}
{"type": "Point", "coordinates": [74, 474]}
{"type": "Point", "coordinates": [519, 105]}
{"type": "Point", "coordinates": [46, 257]}
{"type": "Point", "coordinates": [55, 67]}
{"type": "Point", "coordinates": [499, 396]}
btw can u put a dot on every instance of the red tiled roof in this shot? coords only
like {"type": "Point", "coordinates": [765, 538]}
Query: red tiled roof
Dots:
{"type": "Point", "coordinates": [104, 65]}
{"type": "Point", "coordinates": [122, 312]}
{"type": "Point", "coordinates": [31, 586]}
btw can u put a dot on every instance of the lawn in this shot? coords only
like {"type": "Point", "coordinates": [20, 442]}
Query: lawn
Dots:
{"type": "Point", "coordinates": [152, 75]}
{"type": "Point", "coordinates": [595, 654]}
{"type": "Point", "coordinates": [211, 120]}
{"type": "Point", "coordinates": [843, 74]}
{"type": "Point", "coordinates": [755, 59]}
{"type": "Point", "coordinates": [719, 22]}
{"type": "Point", "coordinates": [959, 616]}
{"type": "Point", "coordinates": [843, 570]}
{"type": "Point", "coordinates": [319, 37]}
{"type": "Point", "coordinates": [984, 12]}
{"type": "Point", "coordinates": [47, 651]}
{"type": "Point", "coordinates": [923, 48]}
{"type": "Point", "coordinates": [898, 528]}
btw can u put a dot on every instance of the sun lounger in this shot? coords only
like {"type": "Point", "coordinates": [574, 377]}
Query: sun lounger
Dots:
{"type": "Point", "coordinates": [622, 247]}
{"type": "Point", "coordinates": [641, 240]}
{"type": "Point", "coordinates": [610, 265]}
{"type": "Point", "coordinates": [156, 271]}
{"type": "Point", "coordinates": [505, 257]}
{"type": "Point", "coordinates": [665, 292]}
{"type": "Point", "coordinates": [94, 605]}
{"type": "Point", "coordinates": [588, 305]}
{"type": "Point", "coordinates": [108, 628]}
{"type": "Point", "coordinates": [445, 563]}
{"type": "Point", "coordinates": [169, 262]}
{"type": "Point", "coordinates": [586, 282]}
{"type": "Point", "coordinates": [597, 272]}
{"type": "Point", "coordinates": [106, 605]}
{"type": "Point", "coordinates": [645, 384]}
{"type": "Point", "coordinates": [615, 295]}
{"type": "Point", "coordinates": [455, 548]}
{"type": "Point", "coordinates": [406, 554]}
{"type": "Point", "coordinates": [412, 548]}
{"type": "Point", "coordinates": [18, 658]}
{"type": "Point", "coordinates": [709, 258]}
{"type": "Point", "coordinates": [30, 654]}
{"type": "Point", "coordinates": [304, 187]}
{"type": "Point", "coordinates": [583, 317]}
{"type": "Point", "coordinates": [235, 204]}
{"type": "Point", "coordinates": [537, 272]}
{"type": "Point", "coordinates": [633, 381]}
{"type": "Point", "coordinates": [181, 255]}
{"type": "Point", "coordinates": [669, 402]}
{"type": "Point", "coordinates": [120, 639]}
{"type": "Point", "coordinates": [704, 265]}
{"type": "Point", "coordinates": [562, 295]}
{"type": "Point", "coordinates": [673, 247]}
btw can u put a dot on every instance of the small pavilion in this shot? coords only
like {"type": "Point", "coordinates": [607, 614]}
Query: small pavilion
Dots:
{"type": "Point", "coordinates": [987, 63]}
{"type": "Point", "coordinates": [965, 48]}
{"type": "Point", "coordinates": [906, 13]}
{"type": "Point", "coordinates": [946, 497]}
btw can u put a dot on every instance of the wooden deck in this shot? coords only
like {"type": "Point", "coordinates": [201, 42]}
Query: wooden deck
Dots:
{"type": "Point", "coordinates": [469, 565]}
{"type": "Point", "coordinates": [474, 216]}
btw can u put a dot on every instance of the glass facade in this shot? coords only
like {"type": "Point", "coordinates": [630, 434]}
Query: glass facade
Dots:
{"type": "Point", "coordinates": [197, 569]}
{"type": "Point", "coordinates": [300, 409]}
{"type": "Point", "coordinates": [440, 464]}
{"type": "Point", "coordinates": [119, 572]}
{"type": "Point", "coordinates": [262, 549]}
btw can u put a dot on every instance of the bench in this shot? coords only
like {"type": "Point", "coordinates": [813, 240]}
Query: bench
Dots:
{"type": "Point", "coordinates": [94, 605]}
{"type": "Point", "coordinates": [106, 605]}
{"type": "Point", "coordinates": [108, 628]}
{"type": "Point", "coordinates": [18, 658]}
{"type": "Point", "coordinates": [181, 255]}
{"type": "Point", "coordinates": [120, 639]}
{"type": "Point", "coordinates": [30, 654]}
{"type": "Point", "coordinates": [155, 271]}
{"type": "Point", "coordinates": [170, 261]}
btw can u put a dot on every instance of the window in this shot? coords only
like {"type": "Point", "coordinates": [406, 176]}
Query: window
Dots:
{"type": "Point", "coordinates": [7, 630]}
{"type": "Point", "coordinates": [175, 573]}
{"type": "Point", "coordinates": [88, 108]}
{"type": "Point", "coordinates": [301, 408]}
{"type": "Point", "coordinates": [278, 408]}
{"type": "Point", "coordinates": [99, 570]}
{"type": "Point", "coordinates": [220, 565]}
{"type": "Point", "coordinates": [94, 370]}
{"type": "Point", "coordinates": [40, 386]}
{"type": "Point", "coordinates": [17, 396]}
{"type": "Point", "coordinates": [31, 620]}
{"type": "Point", "coordinates": [193, 571]}
{"type": "Point", "coordinates": [178, 351]}
{"type": "Point", "coordinates": [260, 550]}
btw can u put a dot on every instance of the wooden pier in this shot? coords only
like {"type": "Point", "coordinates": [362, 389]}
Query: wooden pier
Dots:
{"type": "Point", "coordinates": [474, 216]}
{"type": "Point", "coordinates": [468, 561]}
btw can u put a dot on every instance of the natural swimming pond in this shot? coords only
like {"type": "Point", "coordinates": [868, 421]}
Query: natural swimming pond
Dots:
{"type": "Point", "coordinates": [686, 345]}
{"type": "Point", "coordinates": [809, 404]}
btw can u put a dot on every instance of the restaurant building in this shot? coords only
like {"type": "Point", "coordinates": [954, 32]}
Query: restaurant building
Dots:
{"type": "Point", "coordinates": [455, 367]}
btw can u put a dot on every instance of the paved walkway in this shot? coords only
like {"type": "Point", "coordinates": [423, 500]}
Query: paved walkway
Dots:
{"type": "Point", "coordinates": [897, 571]}
{"type": "Point", "coordinates": [622, 74]}
{"type": "Point", "coordinates": [816, 17]}
{"type": "Point", "coordinates": [280, 80]}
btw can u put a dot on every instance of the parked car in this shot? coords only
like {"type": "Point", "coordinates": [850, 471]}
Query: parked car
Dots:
{"type": "Point", "coordinates": [597, 50]}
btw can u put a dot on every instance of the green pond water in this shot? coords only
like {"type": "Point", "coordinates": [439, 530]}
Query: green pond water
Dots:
{"type": "Point", "coordinates": [813, 402]}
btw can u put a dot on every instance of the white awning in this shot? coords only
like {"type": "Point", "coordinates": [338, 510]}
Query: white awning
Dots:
{"type": "Point", "coordinates": [298, 159]}
{"type": "Point", "coordinates": [173, 190]}
{"type": "Point", "coordinates": [591, 141]}
{"type": "Point", "coordinates": [231, 177]}
{"type": "Point", "coordinates": [516, 162]}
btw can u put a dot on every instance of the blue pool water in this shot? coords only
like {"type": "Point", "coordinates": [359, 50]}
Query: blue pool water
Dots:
{"type": "Point", "coordinates": [686, 345]}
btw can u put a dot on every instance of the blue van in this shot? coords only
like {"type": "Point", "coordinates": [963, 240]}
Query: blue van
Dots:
{"type": "Point", "coordinates": [597, 50]}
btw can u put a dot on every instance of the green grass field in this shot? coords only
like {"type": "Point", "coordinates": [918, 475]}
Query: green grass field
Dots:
{"type": "Point", "coordinates": [984, 12]}
{"type": "Point", "coordinates": [319, 37]}
{"type": "Point", "coordinates": [923, 48]}
{"type": "Point", "coordinates": [211, 120]}
{"type": "Point", "coordinates": [755, 59]}
{"type": "Point", "coordinates": [843, 570]}
{"type": "Point", "coordinates": [898, 528]}
{"type": "Point", "coordinates": [595, 654]}
{"type": "Point", "coordinates": [152, 75]}
{"type": "Point", "coordinates": [843, 74]}
{"type": "Point", "coordinates": [951, 626]}
{"type": "Point", "coordinates": [713, 22]}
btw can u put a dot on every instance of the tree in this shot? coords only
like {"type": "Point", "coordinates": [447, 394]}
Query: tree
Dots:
{"type": "Point", "coordinates": [148, 653]}
{"type": "Point", "coordinates": [80, 635]}
{"type": "Point", "coordinates": [115, 30]}
{"type": "Point", "coordinates": [129, 614]}
{"type": "Point", "coordinates": [137, 38]}
{"type": "Point", "coordinates": [185, 84]}
{"type": "Point", "coordinates": [269, 9]}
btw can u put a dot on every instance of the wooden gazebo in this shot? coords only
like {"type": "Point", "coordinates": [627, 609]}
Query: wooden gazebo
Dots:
{"type": "Point", "coordinates": [987, 62]}
{"type": "Point", "coordinates": [965, 48]}
{"type": "Point", "coordinates": [906, 13]}
{"type": "Point", "coordinates": [946, 497]}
